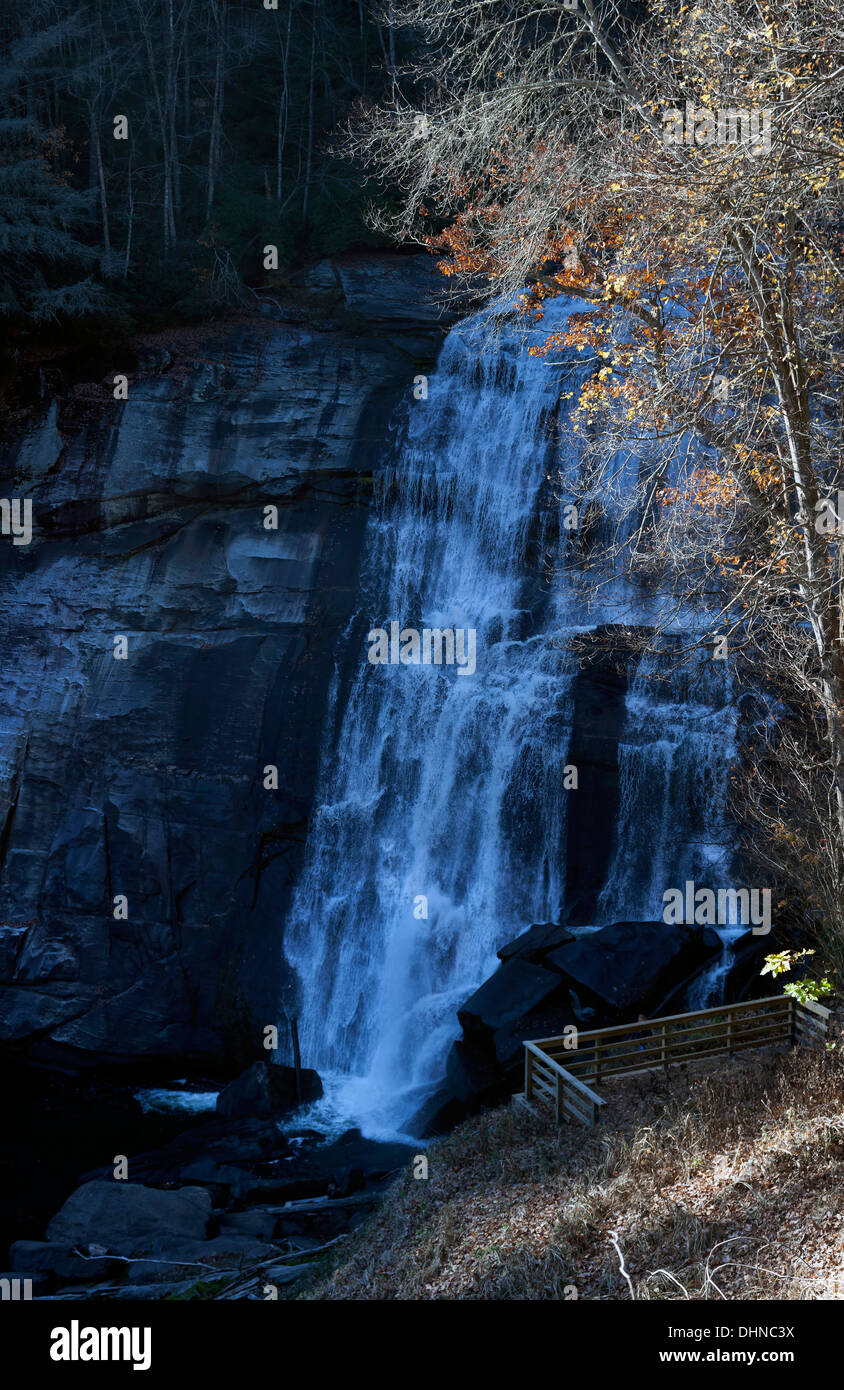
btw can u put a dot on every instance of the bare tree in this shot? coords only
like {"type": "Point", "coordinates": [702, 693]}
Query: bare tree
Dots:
{"type": "Point", "coordinates": [219, 15]}
{"type": "Point", "coordinates": [678, 181]}
{"type": "Point", "coordinates": [283, 103]}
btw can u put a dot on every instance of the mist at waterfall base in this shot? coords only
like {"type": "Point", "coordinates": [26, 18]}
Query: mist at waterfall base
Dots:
{"type": "Point", "coordinates": [450, 786]}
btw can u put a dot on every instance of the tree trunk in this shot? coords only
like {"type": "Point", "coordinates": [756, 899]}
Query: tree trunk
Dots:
{"type": "Point", "coordinates": [310, 143]}
{"type": "Point", "coordinates": [130, 223]}
{"type": "Point", "coordinates": [219, 13]}
{"type": "Point", "coordinates": [281, 128]}
{"type": "Point", "coordinates": [98, 154]}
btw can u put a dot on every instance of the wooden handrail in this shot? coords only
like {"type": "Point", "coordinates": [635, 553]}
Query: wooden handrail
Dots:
{"type": "Point", "coordinates": [570, 1080]}
{"type": "Point", "coordinates": [675, 1018]}
{"type": "Point", "coordinates": [814, 1007]}
{"type": "Point", "coordinates": [779, 1018]}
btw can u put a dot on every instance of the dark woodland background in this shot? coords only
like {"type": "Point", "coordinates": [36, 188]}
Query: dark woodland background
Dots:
{"type": "Point", "coordinates": [230, 107]}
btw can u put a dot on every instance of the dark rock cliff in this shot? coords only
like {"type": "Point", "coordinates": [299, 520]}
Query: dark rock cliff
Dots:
{"type": "Point", "coordinates": [144, 776]}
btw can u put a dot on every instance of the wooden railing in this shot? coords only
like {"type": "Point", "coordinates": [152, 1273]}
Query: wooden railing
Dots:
{"type": "Point", "coordinates": [655, 1043]}
{"type": "Point", "coordinates": [549, 1083]}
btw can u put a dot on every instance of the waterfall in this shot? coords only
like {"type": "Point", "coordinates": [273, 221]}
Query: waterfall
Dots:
{"type": "Point", "coordinates": [439, 830]}
{"type": "Point", "coordinates": [675, 755]}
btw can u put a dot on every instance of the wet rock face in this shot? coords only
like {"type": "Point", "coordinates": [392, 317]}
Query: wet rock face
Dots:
{"type": "Point", "coordinates": [144, 776]}
{"type": "Point", "coordinates": [599, 716]}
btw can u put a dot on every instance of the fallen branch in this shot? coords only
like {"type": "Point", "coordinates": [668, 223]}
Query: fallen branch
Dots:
{"type": "Point", "coordinates": [614, 1238]}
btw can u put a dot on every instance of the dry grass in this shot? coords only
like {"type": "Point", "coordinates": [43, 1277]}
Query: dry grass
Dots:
{"type": "Point", "coordinates": [722, 1182]}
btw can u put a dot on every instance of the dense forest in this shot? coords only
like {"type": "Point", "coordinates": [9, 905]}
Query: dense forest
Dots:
{"type": "Point", "coordinates": [149, 152]}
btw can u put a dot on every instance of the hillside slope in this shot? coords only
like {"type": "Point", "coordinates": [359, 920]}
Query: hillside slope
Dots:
{"type": "Point", "coordinates": [725, 1183]}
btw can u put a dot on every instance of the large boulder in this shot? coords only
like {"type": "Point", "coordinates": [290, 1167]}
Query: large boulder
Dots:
{"type": "Point", "coordinates": [516, 990]}
{"type": "Point", "coordinates": [267, 1091]}
{"type": "Point", "coordinates": [120, 1216]}
{"type": "Point", "coordinates": [551, 977]}
{"type": "Point", "coordinates": [536, 942]}
{"type": "Point", "coordinates": [629, 968]}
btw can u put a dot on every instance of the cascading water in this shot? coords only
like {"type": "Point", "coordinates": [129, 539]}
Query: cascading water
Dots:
{"type": "Point", "coordinates": [444, 792]}
{"type": "Point", "coordinates": [675, 756]}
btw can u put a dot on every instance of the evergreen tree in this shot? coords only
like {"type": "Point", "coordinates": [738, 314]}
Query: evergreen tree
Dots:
{"type": "Point", "coordinates": [42, 259]}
